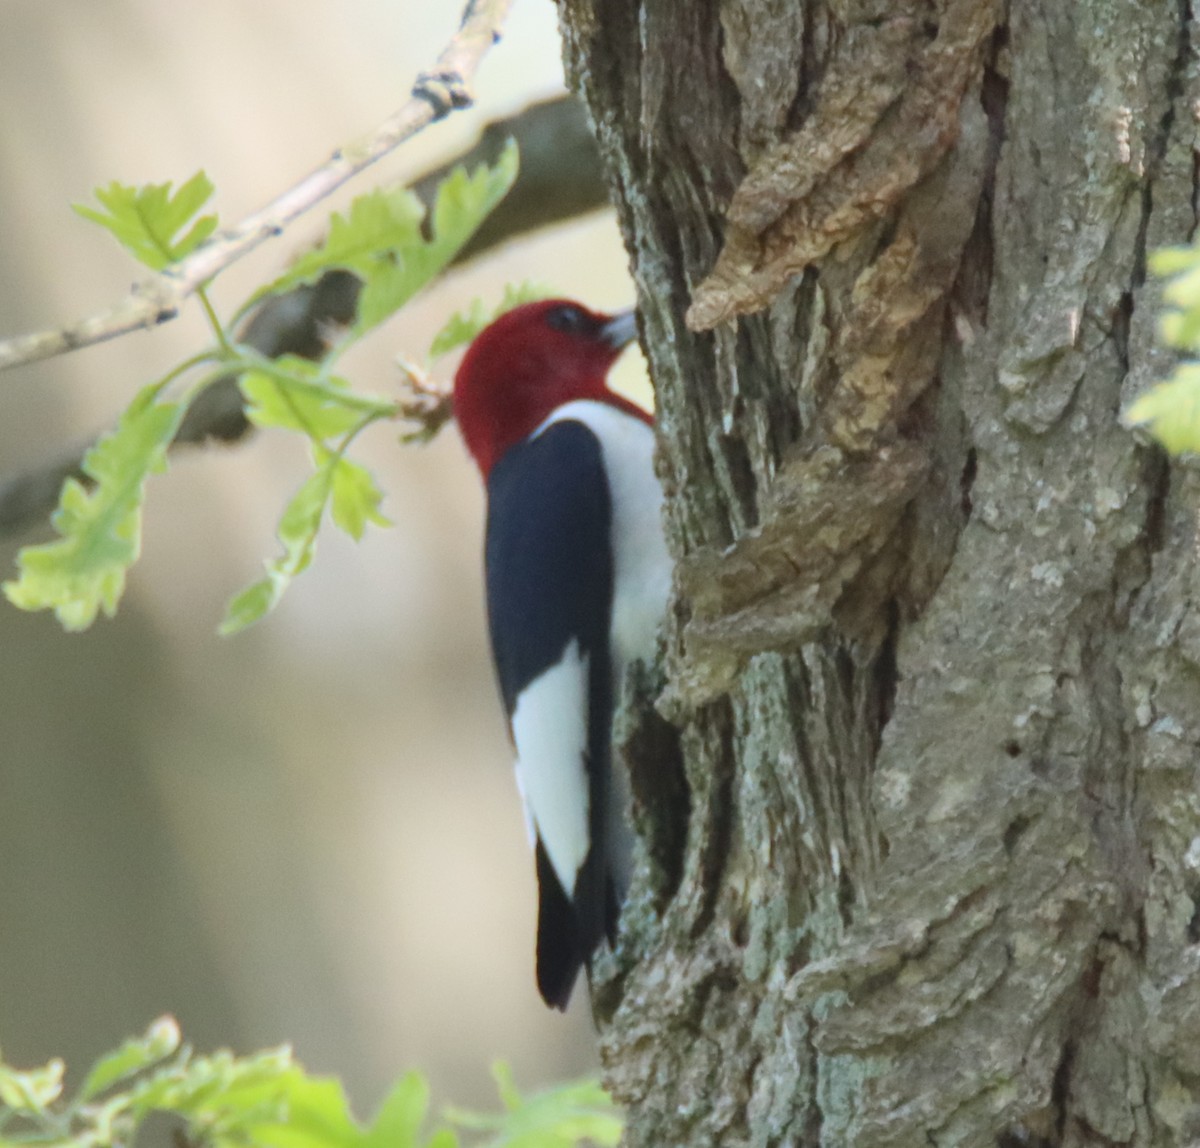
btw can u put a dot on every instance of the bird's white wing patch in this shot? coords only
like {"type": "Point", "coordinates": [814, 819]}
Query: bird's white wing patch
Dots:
{"type": "Point", "coordinates": [549, 728]}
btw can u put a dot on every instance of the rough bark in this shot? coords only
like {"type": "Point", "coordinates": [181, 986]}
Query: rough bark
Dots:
{"type": "Point", "coordinates": [935, 656]}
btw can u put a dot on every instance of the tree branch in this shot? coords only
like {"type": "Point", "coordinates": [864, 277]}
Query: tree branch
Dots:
{"type": "Point", "coordinates": [560, 178]}
{"type": "Point", "coordinates": [436, 93]}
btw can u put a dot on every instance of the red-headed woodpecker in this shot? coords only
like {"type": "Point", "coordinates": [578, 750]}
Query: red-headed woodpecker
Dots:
{"type": "Point", "coordinates": [577, 577]}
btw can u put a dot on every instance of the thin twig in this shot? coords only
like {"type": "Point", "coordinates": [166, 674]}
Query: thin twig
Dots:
{"type": "Point", "coordinates": [445, 88]}
{"type": "Point", "coordinates": [560, 178]}
{"type": "Point", "coordinates": [429, 406]}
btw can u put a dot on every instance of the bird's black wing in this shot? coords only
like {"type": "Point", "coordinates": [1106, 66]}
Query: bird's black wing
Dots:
{"type": "Point", "coordinates": [549, 592]}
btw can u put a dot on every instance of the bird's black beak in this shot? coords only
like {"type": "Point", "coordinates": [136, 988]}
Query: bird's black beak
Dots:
{"type": "Point", "coordinates": [620, 330]}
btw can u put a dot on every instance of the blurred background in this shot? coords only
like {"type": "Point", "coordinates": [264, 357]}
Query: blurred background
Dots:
{"type": "Point", "coordinates": [308, 833]}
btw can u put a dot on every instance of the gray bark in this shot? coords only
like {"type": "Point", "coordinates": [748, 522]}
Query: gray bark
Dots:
{"type": "Point", "coordinates": [935, 655]}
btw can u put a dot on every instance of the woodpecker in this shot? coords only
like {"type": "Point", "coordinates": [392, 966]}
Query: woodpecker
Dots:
{"type": "Point", "coordinates": [577, 578]}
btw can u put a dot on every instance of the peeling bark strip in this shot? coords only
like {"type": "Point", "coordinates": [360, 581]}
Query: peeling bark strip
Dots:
{"type": "Point", "coordinates": [777, 587]}
{"type": "Point", "coordinates": [936, 652]}
{"type": "Point", "coordinates": [885, 112]}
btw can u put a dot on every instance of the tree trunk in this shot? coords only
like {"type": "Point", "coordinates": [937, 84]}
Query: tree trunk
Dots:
{"type": "Point", "coordinates": [935, 656]}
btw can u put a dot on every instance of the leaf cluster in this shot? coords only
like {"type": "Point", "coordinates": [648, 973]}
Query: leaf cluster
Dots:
{"type": "Point", "coordinates": [147, 220]}
{"type": "Point", "coordinates": [267, 1100]}
{"type": "Point", "coordinates": [388, 240]}
{"type": "Point", "coordinates": [1170, 411]}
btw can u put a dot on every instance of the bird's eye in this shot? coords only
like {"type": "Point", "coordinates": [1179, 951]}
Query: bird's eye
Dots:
{"type": "Point", "coordinates": [570, 320]}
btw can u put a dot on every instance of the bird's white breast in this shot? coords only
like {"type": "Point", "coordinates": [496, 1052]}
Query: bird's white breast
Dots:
{"type": "Point", "coordinates": [641, 564]}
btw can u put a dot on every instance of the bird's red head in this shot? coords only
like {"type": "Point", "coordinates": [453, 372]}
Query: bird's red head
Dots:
{"type": "Point", "coordinates": [530, 361]}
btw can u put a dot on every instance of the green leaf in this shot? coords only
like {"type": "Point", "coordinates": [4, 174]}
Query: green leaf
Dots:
{"type": "Point", "coordinates": [290, 394]}
{"type": "Point", "coordinates": [460, 329]}
{"type": "Point", "coordinates": [1180, 324]}
{"type": "Point", "coordinates": [316, 1115]}
{"type": "Point", "coordinates": [506, 1086]}
{"type": "Point", "coordinates": [381, 239]}
{"type": "Point", "coordinates": [84, 571]}
{"type": "Point", "coordinates": [147, 220]}
{"type": "Point", "coordinates": [443, 1138]}
{"type": "Point", "coordinates": [356, 498]}
{"type": "Point", "coordinates": [1170, 411]}
{"type": "Point", "coordinates": [1183, 290]}
{"type": "Point", "coordinates": [135, 1055]}
{"type": "Point", "coordinates": [562, 1117]}
{"type": "Point", "coordinates": [401, 1115]}
{"type": "Point", "coordinates": [224, 1099]}
{"type": "Point", "coordinates": [378, 223]}
{"type": "Point", "coordinates": [462, 203]}
{"type": "Point", "coordinates": [31, 1091]}
{"type": "Point", "coordinates": [1168, 261]}
{"type": "Point", "coordinates": [250, 605]}
{"type": "Point", "coordinates": [194, 1086]}
{"type": "Point", "coordinates": [297, 531]}
{"type": "Point", "coordinates": [1181, 329]}
{"type": "Point", "coordinates": [463, 326]}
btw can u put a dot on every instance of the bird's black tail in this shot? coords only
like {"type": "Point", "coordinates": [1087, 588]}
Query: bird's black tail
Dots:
{"type": "Point", "coordinates": [569, 933]}
{"type": "Point", "coordinates": [560, 954]}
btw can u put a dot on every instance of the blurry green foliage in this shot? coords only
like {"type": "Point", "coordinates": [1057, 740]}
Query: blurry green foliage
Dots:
{"type": "Point", "coordinates": [1170, 411]}
{"type": "Point", "coordinates": [387, 241]}
{"type": "Point", "coordinates": [559, 1118]}
{"type": "Point", "coordinates": [267, 1100]}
